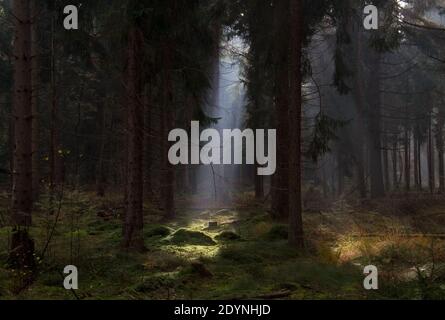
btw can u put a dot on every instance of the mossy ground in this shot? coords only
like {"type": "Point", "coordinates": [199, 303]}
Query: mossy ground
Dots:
{"type": "Point", "coordinates": [246, 256]}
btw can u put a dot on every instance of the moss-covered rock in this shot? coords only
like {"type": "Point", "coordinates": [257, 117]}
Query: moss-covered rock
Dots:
{"type": "Point", "coordinates": [228, 236]}
{"type": "Point", "coordinates": [157, 231]}
{"type": "Point", "coordinates": [188, 237]}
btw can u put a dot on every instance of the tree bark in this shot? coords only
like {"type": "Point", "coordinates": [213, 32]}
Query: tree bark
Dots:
{"type": "Point", "coordinates": [296, 237]}
{"type": "Point", "coordinates": [440, 151]}
{"type": "Point", "coordinates": [407, 154]}
{"type": "Point", "coordinates": [133, 226]}
{"type": "Point", "coordinates": [395, 180]}
{"type": "Point", "coordinates": [22, 246]}
{"type": "Point", "coordinates": [168, 171]}
{"type": "Point", "coordinates": [374, 136]}
{"type": "Point", "coordinates": [359, 97]}
{"type": "Point", "coordinates": [100, 170]}
{"type": "Point", "coordinates": [259, 185]}
{"type": "Point", "coordinates": [280, 201]}
{"type": "Point", "coordinates": [431, 174]}
{"type": "Point", "coordinates": [35, 53]}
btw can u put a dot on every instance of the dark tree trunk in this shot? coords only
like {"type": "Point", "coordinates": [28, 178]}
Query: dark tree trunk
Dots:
{"type": "Point", "coordinates": [407, 154]}
{"type": "Point", "coordinates": [35, 53]}
{"type": "Point", "coordinates": [395, 180]}
{"type": "Point", "coordinates": [259, 185]}
{"type": "Point", "coordinates": [340, 172]}
{"type": "Point", "coordinates": [374, 136]}
{"type": "Point", "coordinates": [133, 226]}
{"type": "Point", "coordinates": [55, 152]}
{"type": "Point", "coordinates": [440, 151]}
{"type": "Point", "coordinates": [431, 174]}
{"type": "Point", "coordinates": [148, 143]}
{"type": "Point", "coordinates": [296, 237]}
{"type": "Point", "coordinates": [359, 97]}
{"type": "Point", "coordinates": [167, 120]}
{"type": "Point", "coordinates": [419, 157]}
{"type": "Point", "coordinates": [386, 163]}
{"type": "Point", "coordinates": [280, 201]}
{"type": "Point", "coordinates": [416, 161]}
{"type": "Point", "coordinates": [100, 170]}
{"type": "Point", "coordinates": [22, 246]}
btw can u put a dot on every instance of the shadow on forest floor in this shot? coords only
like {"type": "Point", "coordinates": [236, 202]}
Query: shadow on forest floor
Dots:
{"type": "Point", "coordinates": [245, 256]}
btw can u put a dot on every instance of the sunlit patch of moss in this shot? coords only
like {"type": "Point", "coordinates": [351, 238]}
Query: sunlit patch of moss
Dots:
{"type": "Point", "coordinates": [190, 237]}
{"type": "Point", "coordinates": [191, 252]}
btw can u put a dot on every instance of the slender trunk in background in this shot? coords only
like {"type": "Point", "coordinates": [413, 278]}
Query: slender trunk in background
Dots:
{"type": "Point", "coordinates": [431, 175]}
{"type": "Point", "coordinates": [386, 163]}
{"type": "Point", "coordinates": [167, 120]}
{"type": "Point", "coordinates": [280, 201]}
{"type": "Point", "coordinates": [22, 246]}
{"type": "Point", "coordinates": [340, 173]}
{"type": "Point", "coordinates": [35, 53]}
{"type": "Point", "coordinates": [419, 157]}
{"type": "Point", "coordinates": [374, 135]}
{"type": "Point", "coordinates": [440, 151]}
{"type": "Point", "coordinates": [133, 226]}
{"type": "Point", "coordinates": [416, 161]}
{"type": "Point", "coordinates": [100, 170]}
{"type": "Point", "coordinates": [395, 180]}
{"type": "Point", "coordinates": [148, 143]}
{"type": "Point", "coordinates": [296, 237]}
{"type": "Point", "coordinates": [259, 185]}
{"type": "Point", "coordinates": [407, 154]}
{"type": "Point", "coordinates": [359, 97]}
{"type": "Point", "coordinates": [55, 152]}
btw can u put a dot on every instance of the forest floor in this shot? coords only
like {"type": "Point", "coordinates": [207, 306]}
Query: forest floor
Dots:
{"type": "Point", "coordinates": [244, 257]}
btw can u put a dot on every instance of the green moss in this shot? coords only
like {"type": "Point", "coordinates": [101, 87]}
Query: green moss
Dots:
{"type": "Point", "coordinates": [277, 232]}
{"type": "Point", "coordinates": [228, 236]}
{"type": "Point", "coordinates": [188, 237]}
{"type": "Point", "coordinates": [157, 231]}
{"type": "Point", "coordinates": [157, 281]}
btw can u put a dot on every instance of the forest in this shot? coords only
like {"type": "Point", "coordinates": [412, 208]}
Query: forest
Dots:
{"type": "Point", "coordinates": [222, 150]}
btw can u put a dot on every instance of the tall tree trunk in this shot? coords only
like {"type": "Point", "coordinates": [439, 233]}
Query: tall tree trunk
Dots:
{"type": "Point", "coordinates": [55, 152]}
{"type": "Point", "coordinates": [22, 246]}
{"type": "Point", "coordinates": [431, 175]}
{"type": "Point", "coordinates": [359, 98]}
{"type": "Point", "coordinates": [407, 154]}
{"type": "Point", "coordinates": [386, 163]}
{"type": "Point", "coordinates": [100, 170]}
{"type": "Point", "coordinates": [340, 172]}
{"type": "Point", "coordinates": [395, 180]}
{"type": "Point", "coordinates": [280, 201]}
{"type": "Point", "coordinates": [259, 185]}
{"type": "Point", "coordinates": [167, 120]}
{"type": "Point", "coordinates": [148, 143]}
{"type": "Point", "coordinates": [133, 226]}
{"type": "Point", "coordinates": [374, 136]}
{"type": "Point", "coordinates": [296, 237]}
{"type": "Point", "coordinates": [416, 160]}
{"type": "Point", "coordinates": [35, 53]}
{"type": "Point", "coordinates": [440, 151]}
{"type": "Point", "coordinates": [419, 157]}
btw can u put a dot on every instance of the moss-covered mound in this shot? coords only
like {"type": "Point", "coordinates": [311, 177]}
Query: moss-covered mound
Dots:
{"type": "Point", "coordinates": [228, 236]}
{"type": "Point", "coordinates": [157, 231]}
{"type": "Point", "coordinates": [188, 237]}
